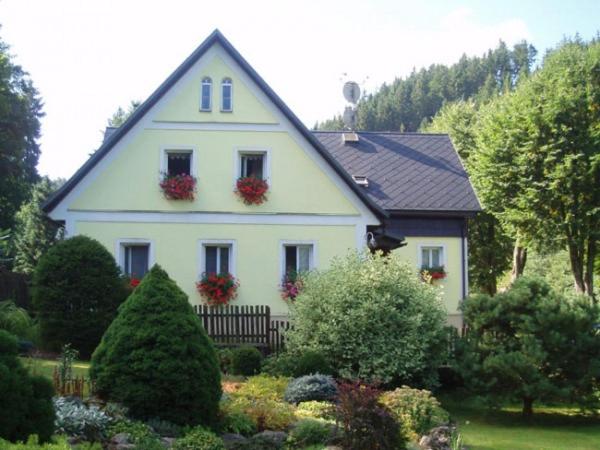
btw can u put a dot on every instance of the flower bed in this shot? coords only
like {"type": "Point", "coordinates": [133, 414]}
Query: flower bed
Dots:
{"type": "Point", "coordinates": [178, 187]}
{"type": "Point", "coordinates": [218, 289]}
{"type": "Point", "coordinates": [252, 190]}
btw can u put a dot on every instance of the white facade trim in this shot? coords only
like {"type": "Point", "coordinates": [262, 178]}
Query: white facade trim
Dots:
{"type": "Point", "coordinates": [121, 243]}
{"type": "Point", "coordinates": [466, 265]}
{"type": "Point", "coordinates": [314, 254]}
{"type": "Point", "coordinates": [203, 243]}
{"type": "Point", "coordinates": [422, 245]}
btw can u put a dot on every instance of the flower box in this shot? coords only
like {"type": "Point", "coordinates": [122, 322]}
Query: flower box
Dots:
{"type": "Point", "coordinates": [252, 190]}
{"type": "Point", "coordinates": [291, 287]}
{"type": "Point", "coordinates": [218, 289]}
{"type": "Point", "coordinates": [178, 187]}
{"type": "Point", "coordinates": [433, 273]}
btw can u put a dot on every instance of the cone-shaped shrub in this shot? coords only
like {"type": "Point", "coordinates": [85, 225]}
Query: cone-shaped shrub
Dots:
{"type": "Point", "coordinates": [25, 401]}
{"type": "Point", "coordinates": [156, 359]}
{"type": "Point", "coordinates": [77, 290]}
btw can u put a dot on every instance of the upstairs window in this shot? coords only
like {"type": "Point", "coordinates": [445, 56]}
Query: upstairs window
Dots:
{"type": "Point", "coordinates": [226, 95]}
{"type": "Point", "coordinates": [206, 94]}
{"type": "Point", "coordinates": [432, 257]}
{"type": "Point", "coordinates": [179, 162]}
{"type": "Point", "coordinates": [135, 259]}
{"type": "Point", "coordinates": [217, 259]}
{"type": "Point", "coordinates": [298, 258]}
{"type": "Point", "coordinates": [252, 165]}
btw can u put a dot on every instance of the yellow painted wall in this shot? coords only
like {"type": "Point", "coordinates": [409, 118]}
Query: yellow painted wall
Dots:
{"type": "Point", "coordinates": [257, 247]}
{"type": "Point", "coordinates": [451, 286]}
{"type": "Point", "coordinates": [185, 106]}
{"type": "Point", "coordinates": [131, 181]}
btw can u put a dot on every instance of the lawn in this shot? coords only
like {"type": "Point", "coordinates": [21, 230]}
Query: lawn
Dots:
{"type": "Point", "coordinates": [551, 428]}
{"type": "Point", "coordinates": [46, 367]}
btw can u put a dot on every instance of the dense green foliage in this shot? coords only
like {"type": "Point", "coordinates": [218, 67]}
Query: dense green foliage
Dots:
{"type": "Point", "coordinates": [407, 103]}
{"type": "Point", "coordinates": [121, 115]}
{"type": "Point", "coordinates": [20, 113]}
{"type": "Point", "coordinates": [537, 168]}
{"type": "Point", "coordinates": [26, 400]}
{"type": "Point", "coordinates": [156, 358]}
{"type": "Point", "coordinates": [311, 387]}
{"type": "Point", "coordinates": [245, 360]}
{"type": "Point", "coordinates": [199, 439]}
{"type": "Point", "coordinates": [388, 325]}
{"type": "Point", "coordinates": [529, 344]}
{"type": "Point", "coordinates": [365, 422]}
{"type": "Point", "coordinates": [59, 443]}
{"type": "Point", "coordinates": [297, 365]}
{"type": "Point", "coordinates": [77, 290]}
{"type": "Point", "coordinates": [17, 321]}
{"type": "Point", "coordinates": [308, 432]}
{"type": "Point", "coordinates": [34, 233]}
{"type": "Point", "coordinates": [417, 411]}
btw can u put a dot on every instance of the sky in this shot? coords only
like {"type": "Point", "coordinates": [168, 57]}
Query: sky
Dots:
{"type": "Point", "coordinates": [89, 57]}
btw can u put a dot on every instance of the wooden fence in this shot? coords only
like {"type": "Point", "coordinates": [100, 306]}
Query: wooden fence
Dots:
{"type": "Point", "coordinates": [230, 326]}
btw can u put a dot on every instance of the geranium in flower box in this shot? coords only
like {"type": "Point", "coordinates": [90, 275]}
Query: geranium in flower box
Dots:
{"type": "Point", "coordinates": [217, 289]}
{"type": "Point", "coordinates": [433, 273]}
{"type": "Point", "coordinates": [291, 286]}
{"type": "Point", "coordinates": [178, 187]}
{"type": "Point", "coordinates": [252, 190]}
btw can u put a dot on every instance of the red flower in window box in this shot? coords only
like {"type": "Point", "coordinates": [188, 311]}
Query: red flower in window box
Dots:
{"type": "Point", "coordinates": [178, 187]}
{"type": "Point", "coordinates": [134, 282]}
{"type": "Point", "coordinates": [291, 286]}
{"type": "Point", "coordinates": [430, 274]}
{"type": "Point", "coordinates": [217, 289]}
{"type": "Point", "coordinates": [252, 190]}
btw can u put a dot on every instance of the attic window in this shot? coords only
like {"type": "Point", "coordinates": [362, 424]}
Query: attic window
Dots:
{"type": "Point", "coordinates": [206, 94]}
{"type": "Point", "coordinates": [226, 95]}
{"type": "Point", "coordinates": [361, 180]}
{"type": "Point", "coordinates": [349, 137]}
{"type": "Point", "coordinates": [179, 163]}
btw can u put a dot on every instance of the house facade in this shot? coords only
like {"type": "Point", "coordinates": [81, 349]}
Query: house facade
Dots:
{"type": "Point", "coordinates": [215, 119]}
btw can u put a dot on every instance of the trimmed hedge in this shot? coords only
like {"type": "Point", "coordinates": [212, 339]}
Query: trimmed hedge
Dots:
{"type": "Point", "coordinates": [246, 360]}
{"type": "Point", "coordinates": [156, 359]}
{"type": "Point", "coordinates": [26, 400]}
{"type": "Point", "coordinates": [77, 289]}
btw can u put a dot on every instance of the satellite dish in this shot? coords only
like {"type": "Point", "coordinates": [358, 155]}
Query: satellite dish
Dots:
{"type": "Point", "coordinates": [349, 117]}
{"type": "Point", "coordinates": [351, 91]}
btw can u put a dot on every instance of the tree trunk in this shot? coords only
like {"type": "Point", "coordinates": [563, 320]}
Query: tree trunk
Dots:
{"type": "Point", "coordinates": [519, 260]}
{"type": "Point", "coordinates": [527, 407]}
{"type": "Point", "coordinates": [582, 259]}
{"type": "Point", "coordinates": [588, 279]}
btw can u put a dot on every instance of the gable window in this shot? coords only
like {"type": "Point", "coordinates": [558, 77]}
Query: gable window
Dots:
{"type": "Point", "coordinates": [217, 257]}
{"type": "Point", "coordinates": [206, 94]}
{"type": "Point", "coordinates": [226, 95]}
{"type": "Point", "coordinates": [179, 162]}
{"type": "Point", "coordinates": [252, 165]}
{"type": "Point", "coordinates": [135, 259]}
{"type": "Point", "coordinates": [297, 258]}
{"type": "Point", "coordinates": [432, 257]}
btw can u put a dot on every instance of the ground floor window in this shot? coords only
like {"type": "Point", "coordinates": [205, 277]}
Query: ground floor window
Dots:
{"type": "Point", "coordinates": [432, 257]}
{"type": "Point", "coordinates": [136, 259]}
{"type": "Point", "coordinates": [297, 258]}
{"type": "Point", "coordinates": [217, 257]}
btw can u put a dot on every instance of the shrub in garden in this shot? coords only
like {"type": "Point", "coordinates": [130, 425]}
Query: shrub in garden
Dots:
{"type": "Point", "coordinates": [246, 360]}
{"type": "Point", "coordinates": [365, 422]}
{"type": "Point", "coordinates": [279, 365]}
{"type": "Point", "coordinates": [237, 422]}
{"type": "Point", "coordinates": [75, 419]}
{"type": "Point", "coordinates": [312, 361]}
{"type": "Point", "coordinates": [26, 400]}
{"type": "Point", "coordinates": [199, 439]}
{"type": "Point", "coordinates": [156, 359]}
{"type": "Point", "coordinates": [17, 321]}
{"type": "Point", "coordinates": [529, 344]}
{"type": "Point", "coordinates": [76, 292]}
{"type": "Point", "coordinates": [388, 325]}
{"type": "Point", "coordinates": [324, 411]}
{"type": "Point", "coordinates": [310, 387]}
{"type": "Point", "coordinates": [225, 356]}
{"type": "Point", "coordinates": [417, 411]}
{"type": "Point", "coordinates": [309, 432]}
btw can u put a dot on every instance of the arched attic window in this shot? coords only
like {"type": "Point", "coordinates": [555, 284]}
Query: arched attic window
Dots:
{"type": "Point", "coordinates": [206, 94]}
{"type": "Point", "coordinates": [226, 95]}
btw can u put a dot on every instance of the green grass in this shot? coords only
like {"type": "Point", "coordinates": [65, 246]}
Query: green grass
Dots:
{"type": "Point", "coordinates": [45, 367]}
{"type": "Point", "coordinates": [551, 428]}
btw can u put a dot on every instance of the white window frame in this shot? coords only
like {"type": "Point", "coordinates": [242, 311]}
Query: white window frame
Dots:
{"type": "Point", "coordinates": [203, 243]}
{"type": "Point", "coordinates": [313, 256]}
{"type": "Point", "coordinates": [422, 246]}
{"type": "Point", "coordinates": [210, 96]}
{"type": "Point", "coordinates": [222, 97]}
{"type": "Point", "coordinates": [164, 161]}
{"type": "Point", "coordinates": [127, 242]}
{"type": "Point", "coordinates": [238, 152]}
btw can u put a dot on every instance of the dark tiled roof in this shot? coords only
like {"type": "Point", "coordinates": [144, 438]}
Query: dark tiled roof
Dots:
{"type": "Point", "coordinates": [406, 171]}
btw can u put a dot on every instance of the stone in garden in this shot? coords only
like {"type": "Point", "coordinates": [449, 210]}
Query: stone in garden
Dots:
{"type": "Point", "coordinates": [120, 441]}
{"type": "Point", "coordinates": [231, 440]}
{"type": "Point", "coordinates": [439, 438]}
{"type": "Point", "coordinates": [167, 442]}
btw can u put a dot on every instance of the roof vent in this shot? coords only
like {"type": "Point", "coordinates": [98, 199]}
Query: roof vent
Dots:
{"type": "Point", "coordinates": [349, 137]}
{"type": "Point", "coordinates": [361, 180]}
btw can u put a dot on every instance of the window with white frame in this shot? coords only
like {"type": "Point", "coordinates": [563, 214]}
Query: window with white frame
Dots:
{"type": "Point", "coordinates": [227, 95]}
{"type": "Point", "coordinates": [206, 94]}
{"type": "Point", "coordinates": [297, 258]}
{"type": "Point", "coordinates": [179, 162]}
{"type": "Point", "coordinates": [135, 259]}
{"type": "Point", "coordinates": [217, 258]}
{"type": "Point", "coordinates": [432, 257]}
{"type": "Point", "coordinates": [253, 164]}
